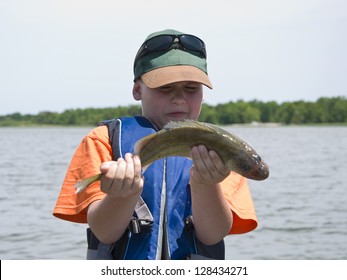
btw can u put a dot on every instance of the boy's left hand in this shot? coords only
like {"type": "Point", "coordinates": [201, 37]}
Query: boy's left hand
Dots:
{"type": "Point", "coordinates": [208, 168]}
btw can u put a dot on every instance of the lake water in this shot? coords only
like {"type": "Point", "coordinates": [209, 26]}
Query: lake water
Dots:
{"type": "Point", "coordinates": [302, 207]}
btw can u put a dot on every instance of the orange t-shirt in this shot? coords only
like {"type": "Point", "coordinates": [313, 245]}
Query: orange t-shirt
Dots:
{"type": "Point", "coordinates": [95, 148]}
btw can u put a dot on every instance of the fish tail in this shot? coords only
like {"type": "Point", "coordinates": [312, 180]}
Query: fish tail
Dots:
{"type": "Point", "coordinates": [83, 184]}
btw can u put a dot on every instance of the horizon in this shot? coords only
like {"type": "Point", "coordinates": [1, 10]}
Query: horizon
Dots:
{"type": "Point", "coordinates": [206, 103]}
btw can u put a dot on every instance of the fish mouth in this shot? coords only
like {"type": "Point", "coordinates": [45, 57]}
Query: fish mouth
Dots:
{"type": "Point", "coordinates": [261, 173]}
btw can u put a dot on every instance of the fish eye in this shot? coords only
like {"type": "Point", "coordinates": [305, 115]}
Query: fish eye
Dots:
{"type": "Point", "coordinates": [257, 157]}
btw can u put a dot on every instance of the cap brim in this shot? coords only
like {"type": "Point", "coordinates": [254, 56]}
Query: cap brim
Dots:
{"type": "Point", "coordinates": [173, 74]}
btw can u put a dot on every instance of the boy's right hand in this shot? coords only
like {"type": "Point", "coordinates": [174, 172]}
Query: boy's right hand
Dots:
{"type": "Point", "coordinates": [122, 178]}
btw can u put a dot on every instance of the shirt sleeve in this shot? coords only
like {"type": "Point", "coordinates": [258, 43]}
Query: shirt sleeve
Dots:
{"type": "Point", "coordinates": [91, 152]}
{"type": "Point", "coordinates": [237, 193]}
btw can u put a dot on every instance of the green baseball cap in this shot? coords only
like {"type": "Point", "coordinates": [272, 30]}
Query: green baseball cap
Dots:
{"type": "Point", "coordinates": [175, 63]}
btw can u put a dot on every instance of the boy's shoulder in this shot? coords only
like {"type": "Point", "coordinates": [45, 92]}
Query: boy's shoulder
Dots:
{"type": "Point", "coordinates": [99, 133]}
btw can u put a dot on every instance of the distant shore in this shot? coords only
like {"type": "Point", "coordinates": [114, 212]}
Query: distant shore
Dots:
{"type": "Point", "coordinates": [324, 111]}
{"type": "Point", "coordinates": [235, 125]}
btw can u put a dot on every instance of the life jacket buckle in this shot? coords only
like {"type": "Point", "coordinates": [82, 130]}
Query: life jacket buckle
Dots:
{"type": "Point", "coordinates": [140, 225]}
{"type": "Point", "coordinates": [188, 223]}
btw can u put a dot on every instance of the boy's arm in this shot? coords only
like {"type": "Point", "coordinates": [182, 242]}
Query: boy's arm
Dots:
{"type": "Point", "coordinates": [212, 216]}
{"type": "Point", "coordinates": [108, 218]}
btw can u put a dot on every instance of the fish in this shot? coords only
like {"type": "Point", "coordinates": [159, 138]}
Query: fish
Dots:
{"type": "Point", "coordinates": [178, 138]}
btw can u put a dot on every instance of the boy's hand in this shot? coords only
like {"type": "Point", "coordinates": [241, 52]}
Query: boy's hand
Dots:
{"type": "Point", "coordinates": [123, 178]}
{"type": "Point", "coordinates": [208, 168]}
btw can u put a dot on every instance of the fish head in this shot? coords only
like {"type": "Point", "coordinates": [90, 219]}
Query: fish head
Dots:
{"type": "Point", "coordinates": [256, 168]}
{"type": "Point", "coordinates": [248, 163]}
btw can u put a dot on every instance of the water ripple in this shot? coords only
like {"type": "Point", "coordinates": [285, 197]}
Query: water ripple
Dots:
{"type": "Point", "coordinates": [301, 208]}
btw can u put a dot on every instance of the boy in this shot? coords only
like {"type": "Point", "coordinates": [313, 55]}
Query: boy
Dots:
{"type": "Point", "coordinates": [191, 205]}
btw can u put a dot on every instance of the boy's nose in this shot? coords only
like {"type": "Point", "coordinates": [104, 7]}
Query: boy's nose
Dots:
{"type": "Point", "coordinates": [178, 96]}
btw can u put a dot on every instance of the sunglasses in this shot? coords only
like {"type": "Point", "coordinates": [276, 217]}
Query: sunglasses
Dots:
{"type": "Point", "coordinates": [161, 43]}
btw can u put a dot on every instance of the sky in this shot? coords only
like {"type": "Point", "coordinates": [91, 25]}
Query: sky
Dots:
{"type": "Point", "coordinates": [68, 54]}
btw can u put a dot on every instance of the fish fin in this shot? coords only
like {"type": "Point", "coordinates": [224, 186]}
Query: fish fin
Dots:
{"type": "Point", "coordinates": [189, 123]}
{"type": "Point", "coordinates": [144, 168]}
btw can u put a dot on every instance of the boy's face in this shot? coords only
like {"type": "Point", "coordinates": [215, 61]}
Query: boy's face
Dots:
{"type": "Point", "coordinates": [172, 102]}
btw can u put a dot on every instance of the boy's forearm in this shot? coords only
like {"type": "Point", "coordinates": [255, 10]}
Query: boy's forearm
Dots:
{"type": "Point", "coordinates": [108, 218]}
{"type": "Point", "coordinates": [212, 216]}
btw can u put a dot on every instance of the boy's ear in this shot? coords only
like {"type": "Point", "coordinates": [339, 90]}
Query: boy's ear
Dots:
{"type": "Point", "coordinates": [137, 91]}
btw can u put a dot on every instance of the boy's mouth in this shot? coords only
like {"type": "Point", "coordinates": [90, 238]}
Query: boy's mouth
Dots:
{"type": "Point", "coordinates": [177, 114]}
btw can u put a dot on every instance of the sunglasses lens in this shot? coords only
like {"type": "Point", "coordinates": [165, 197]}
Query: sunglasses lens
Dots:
{"type": "Point", "coordinates": [165, 42]}
{"type": "Point", "coordinates": [159, 43]}
{"type": "Point", "coordinates": [192, 43]}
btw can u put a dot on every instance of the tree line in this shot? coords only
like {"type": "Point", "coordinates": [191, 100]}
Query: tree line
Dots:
{"type": "Point", "coordinates": [324, 110]}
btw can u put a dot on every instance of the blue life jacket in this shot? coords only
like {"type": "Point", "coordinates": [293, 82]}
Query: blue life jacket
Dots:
{"type": "Point", "coordinates": [167, 232]}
